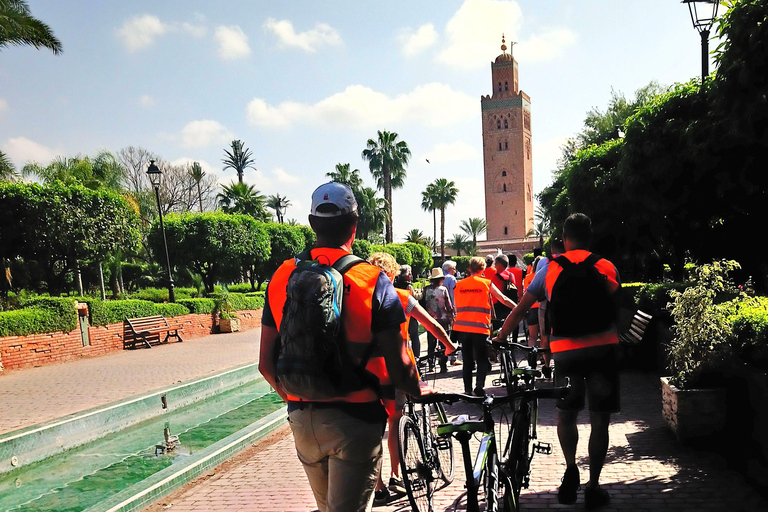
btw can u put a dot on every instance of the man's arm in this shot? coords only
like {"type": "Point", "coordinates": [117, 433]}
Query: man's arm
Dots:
{"type": "Point", "coordinates": [431, 325]}
{"type": "Point", "coordinates": [399, 365]}
{"type": "Point", "coordinates": [267, 358]}
{"type": "Point", "coordinates": [516, 315]}
{"type": "Point", "coordinates": [501, 297]}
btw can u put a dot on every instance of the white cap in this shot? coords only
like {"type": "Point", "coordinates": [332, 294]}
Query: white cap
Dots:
{"type": "Point", "coordinates": [337, 194]}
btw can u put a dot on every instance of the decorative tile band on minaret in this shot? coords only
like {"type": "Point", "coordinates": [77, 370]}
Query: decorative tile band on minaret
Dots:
{"type": "Point", "coordinates": [507, 159]}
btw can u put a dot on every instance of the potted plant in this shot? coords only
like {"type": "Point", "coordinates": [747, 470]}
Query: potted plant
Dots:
{"type": "Point", "coordinates": [228, 319]}
{"type": "Point", "coordinates": [693, 396]}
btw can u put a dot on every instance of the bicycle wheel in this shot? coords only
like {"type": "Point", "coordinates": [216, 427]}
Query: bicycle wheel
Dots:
{"type": "Point", "coordinates": [509, 499]}
{"type": "Point", "coordinates": [518, 459]}
{"type": "Point", "coordinates": [417, 475]}
{"type": "Point", "coordinates": [443, 446]}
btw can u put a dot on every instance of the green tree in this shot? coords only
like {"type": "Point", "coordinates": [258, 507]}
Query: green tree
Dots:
{"type": "Point", "coordinates": [102, 171]}
{"type": "Point", "coordinates": [372, 213]}
{"type": "Point", "coordinates": [428, 205]}
{"type": "Point", "coordinates": [279, 204]}
{"type": "Point", "coordinates": [460, 242]}
{"type": "Point", "coordinates": [239, 159]}
{"type": "Point", "coordinates": [215, 245]}
{"type": "Point", "coordinates": [56, 226]}
{"type": "Point", "coordinates": [197, 174]}
{"type": "Point", "coordinates": [387, 158]}
{"type": "Point", "coordinates": [474, 227]}
{"type": "Point", "coordinates": [421, 257]}
{"type": "Point", "coordinates": [285, 243]}
{"type": "Point", "coordinates": [19, 28]}
{"type": "Point", "coordinates": [344, 175]}
{"type": "Point", "coordinates": [7, 170]}
{"type": "Point", "coordinates": [245, 199]}
{"type": "Point", "coordinates": [415, 236]}
{"type": "Point", "coordinates": [445, 194]}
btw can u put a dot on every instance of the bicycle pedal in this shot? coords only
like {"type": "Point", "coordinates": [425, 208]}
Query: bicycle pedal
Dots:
{"type": "Point", "coordinates": [541, 447]}
{"type": "Point", "coordinates": [498, 382]}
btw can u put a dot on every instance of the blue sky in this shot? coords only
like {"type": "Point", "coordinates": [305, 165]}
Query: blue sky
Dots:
{"type": "Point", "coordinates": [306, 83]}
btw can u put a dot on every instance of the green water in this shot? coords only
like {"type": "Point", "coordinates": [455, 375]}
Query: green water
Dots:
{"type": "Point", "coordinates": [85, 476]}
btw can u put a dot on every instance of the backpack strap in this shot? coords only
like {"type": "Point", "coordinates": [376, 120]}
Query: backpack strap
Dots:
{"type": "Point", "coordinates": [346, 262]}
{"type": "Point", "coordinates": [592, 259]}
{"type": "Point", "coordinates": [564, 262]}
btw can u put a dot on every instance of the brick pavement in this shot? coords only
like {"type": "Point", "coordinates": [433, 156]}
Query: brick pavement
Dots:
{"type": "Point", "coordinates": [35, 395]}
{"type": "Point", "coordinates": [646, 469]}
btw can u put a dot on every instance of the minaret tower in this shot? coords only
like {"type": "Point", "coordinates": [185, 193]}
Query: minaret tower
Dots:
{"type": "Point", "coordinates": [507, 152]}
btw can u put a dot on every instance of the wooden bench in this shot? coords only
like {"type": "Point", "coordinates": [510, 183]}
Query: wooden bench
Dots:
{"type": "Point", "coordinates": [149, 327]}
{"type": "Point", "coordinates": [634, 335]}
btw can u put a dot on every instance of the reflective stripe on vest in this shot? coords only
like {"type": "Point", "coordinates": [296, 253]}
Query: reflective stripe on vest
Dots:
{"type": "Point", "coordinates": [359, 284]}
{"type": "Point", "coordinates": [473, 305]}
{"type": "Point", "coordinates": [606, 268]}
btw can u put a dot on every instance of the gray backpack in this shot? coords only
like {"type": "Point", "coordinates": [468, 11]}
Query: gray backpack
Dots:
{"type": "Point", "coordinates": [313, 361]}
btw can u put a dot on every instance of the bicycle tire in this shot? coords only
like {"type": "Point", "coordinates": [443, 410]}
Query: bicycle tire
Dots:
{"type": "Point", "coordinates": [416, 473]}
{"type": "Point", "coordinates": [445, 448]}
{"type": "Point", "coordinates": [510, 501]}
{"type": "Point", "coordinates": [518, 460]}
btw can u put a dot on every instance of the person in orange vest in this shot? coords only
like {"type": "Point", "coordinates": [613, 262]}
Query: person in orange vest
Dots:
{"type": "Point", "coordinates": [473, 322]}
{"type": "Point", "coordinates": [583, 293]}
{"type": "Point", "coordinates": [339, 440]}
{"type": "Point", "coordinates": [413, 310]}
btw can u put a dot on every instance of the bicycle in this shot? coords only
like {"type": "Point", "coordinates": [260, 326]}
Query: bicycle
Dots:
{"type": "Point", "coordinates": [523, 443]}
{"type": "Point", "coordinates": [486, 468]}
{"type": "Point", "coordinates": [425, 456]}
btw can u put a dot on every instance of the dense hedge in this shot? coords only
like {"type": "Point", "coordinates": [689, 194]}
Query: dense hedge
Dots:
{"type": "Point", "coordinates": [40, 315]}
{"type": "Point", "coordinates": [198, 306]}
{"type": "Point", "coordinates": [115, 311]}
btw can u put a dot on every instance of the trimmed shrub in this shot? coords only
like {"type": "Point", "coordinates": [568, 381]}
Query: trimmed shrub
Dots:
{"type": "Point", "coordinates": [115, 311]}
{"type": "Point", "coordinates": [421, 257]}
{"type": "Point", "coordinates": [401, 253]}
{"type": "Point", "coordinates": [362, 249]}
{"type": "Point", "coordinates": [241, 301]}
{"type": "Point", "coordinates": [46, 315]}
{"type": "Point", "coordinates": [198, 306]}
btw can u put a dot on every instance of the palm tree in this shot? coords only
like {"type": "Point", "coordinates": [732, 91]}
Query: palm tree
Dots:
{"type": "Point", "coordinates": [474, 227]}
{"type": "Point", "coordinates": [458, 243]}
{"type": "Point", "coordinates": [103, 171]}
{"type": "Point", "coordinates": [428, 205]}
{"type": "Point", "coordinates": [342, 174]}
{"type": "Point", "coordinates": [415, 236]}
{"type": "Point", "coordinates": [19, 28]}
{"type": "Point", "coordinates": [7, 170]}
{"type": "Point", "coordinates": [541, 227]}
{"type": "Point", "coordinates": [242, 198]}
{"type": "Point", "coordinates": [196, 173]}
{"type": "Point", "coordinates": [279, 204]}
{"type": "Point", "coordinates": [445, 194]}
{"type": "Point", "coordinates": [372, 212]}
{"type": "Point", "coordinates": [387, 158]}
{"type": "Point", "coordinates": [239, 159]}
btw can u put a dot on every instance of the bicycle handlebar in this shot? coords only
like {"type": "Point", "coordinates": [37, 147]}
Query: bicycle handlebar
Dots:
{"type": "Point", "coordinates": [526, 394]}
{"type": "Point", "coordinates": [510, 344]}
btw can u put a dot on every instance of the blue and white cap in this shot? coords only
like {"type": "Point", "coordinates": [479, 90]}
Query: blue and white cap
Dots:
{"type": "Point", "coordinates": [336, 194]}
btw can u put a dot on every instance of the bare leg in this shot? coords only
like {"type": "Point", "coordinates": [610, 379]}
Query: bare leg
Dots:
{"type": "Point", "coordinates": [568, 434]}
{"type": "Point", "coordinates": [598, 444]}
{"type": "Point", "coordinates": [392, 443]}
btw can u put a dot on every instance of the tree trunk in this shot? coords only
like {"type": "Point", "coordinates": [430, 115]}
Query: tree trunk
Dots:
{"type": "Point", "coordinates": [388, 198]}
{"type": "Point", "coordinates": [434, 230]}
{"type": "Point", "coordinates": [79, 280]}
{"type": "Point", "coordinates": [200, 197]}
{"type": "Point", "coordinates": [442, 233]}
{"type": "Point", "coordinates": [101, 282]}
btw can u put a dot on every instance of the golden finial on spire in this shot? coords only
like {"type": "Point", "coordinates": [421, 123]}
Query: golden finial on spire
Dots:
{"type": "Point", "coordinates": [503, 46]}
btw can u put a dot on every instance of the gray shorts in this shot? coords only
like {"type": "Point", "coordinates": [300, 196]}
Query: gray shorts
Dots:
{"type": "Point", "coordinates": [593, 373]}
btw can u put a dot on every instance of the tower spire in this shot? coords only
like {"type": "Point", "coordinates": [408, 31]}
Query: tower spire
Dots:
{"type": "Point", "coordinates": [503, 46]}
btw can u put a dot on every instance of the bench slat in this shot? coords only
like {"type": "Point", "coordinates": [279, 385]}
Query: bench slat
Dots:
{"type": "Point", "coordinates": [148, 326]}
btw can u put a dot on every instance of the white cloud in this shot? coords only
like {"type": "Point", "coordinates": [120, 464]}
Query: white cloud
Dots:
{"type": "Point", "coordinates": [309, 41]}
{"type": "Point", "coordinates": [147, 101]}
{"type": "Point", "coordinates": [22, 150]}
{"type": "Point", "coordinates": [233, 43]}
{"type": "Point", "coordinates": [458, 151]}
{"type": "Point", "coordinates": [140, 32]}
{"type": "Point", "coordinates": [198, 134]}
{"type": "Point", "coordinates": [478, 25]}
{"type": "Point", "coordinates": [361, 107]}
{"type": "Point", "coordinates": [195, 30]}
{"type": "Point", "coordinates": [282, 176]}
{"type": "Point", "coordinates": [415, 42]}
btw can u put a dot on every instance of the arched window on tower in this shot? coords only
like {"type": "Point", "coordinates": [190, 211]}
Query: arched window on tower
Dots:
{"type": "Point", "coordinates": [506, 145]}
{"type": "Point", "coordinates": [503, 173]}
{"type": "Point", "coordinates": [506, 124]}
{"type": "Point", "coordinates": [499, 146]}
{"type": "Point", "coordinates": [498, 124]}
{"type": "Point", "coordinates": [506, 86]}
{"type": "Point", "coordinates": [505, 187]}
{"type": "Point", "coordinates": [499, 86]}
{"type": "Point", "coordinates": [505, 230]}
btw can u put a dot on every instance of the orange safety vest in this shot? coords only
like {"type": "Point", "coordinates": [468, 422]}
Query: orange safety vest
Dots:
{"type": "Point", "coordinates": [359, 284]}
{"type": "Point", "coordinates": [526, 284]}
{"type": "Point", "coordinates": [473, 305]}
{"type": "Point", "coordinates": [605, 267]}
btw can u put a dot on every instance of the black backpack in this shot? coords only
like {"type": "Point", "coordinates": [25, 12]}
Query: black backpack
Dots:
{"type": "Point", "coordinates": [313, 361]}
{"type": "Point", "coordinates": [508, 287]}
{"type": "Point", "coordinates": [581, 303]}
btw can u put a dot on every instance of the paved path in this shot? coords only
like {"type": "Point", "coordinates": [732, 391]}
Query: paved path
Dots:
{"type": "Point", "coordinates": [646, 469]}
{"type": "Point", "coordinates": [34, 395]}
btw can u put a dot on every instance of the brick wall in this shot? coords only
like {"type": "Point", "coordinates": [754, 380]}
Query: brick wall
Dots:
{"type": "Point", "coordinates": [39, 349]}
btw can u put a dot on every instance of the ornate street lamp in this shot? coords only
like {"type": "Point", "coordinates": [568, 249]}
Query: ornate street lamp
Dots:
{"type": "Point", "coordinates": [155, 174]}
{"type": "Point", "coordinates": [703, 17]}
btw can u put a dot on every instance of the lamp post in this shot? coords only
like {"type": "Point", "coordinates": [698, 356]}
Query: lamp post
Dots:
{"type": "Point", "coordinates": [703, 17]}
{"type": "Point", "coordinates": [154, 174]}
